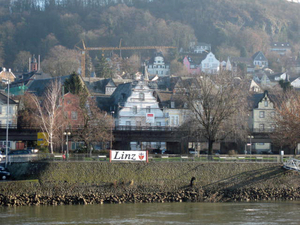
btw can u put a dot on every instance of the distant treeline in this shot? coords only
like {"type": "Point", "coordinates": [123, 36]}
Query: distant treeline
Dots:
{"type": "Point", "coordinates": [233, 27]}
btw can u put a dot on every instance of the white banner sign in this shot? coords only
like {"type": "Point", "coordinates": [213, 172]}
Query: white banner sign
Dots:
{"type": "Point", "coordinates": [120, 155]}
{"type": "Point", "coordinates": [150, 118]}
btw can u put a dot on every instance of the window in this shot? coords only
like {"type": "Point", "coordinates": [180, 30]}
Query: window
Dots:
{"type": "Point", "coordinates": [266, 103]}
{"type": "Point", "coordinates": [74, 115]}
{"type": "Point", "coordinates": [148, 109]}
{"type": "Point", "coordinates": [10, 110]}
{"type": "Point", "coordinates": [138, 123]}
{"type": "Point", "coordinates": [261, 127]}
{"type": "Point", "coordinates": [0, 109]}
{"type": "Point", "coordinates": [128, 123]}
{"type": "Point", "coordinates": [142, 96]}
{"type": "Point", "coordinates": [185, 105]}
{"type": "Point", "coordinates": [272, 114]}
{"type": "Point", "coordinates": [134, 109]}
{"type": "Point", "coordinates": [261, 114]}
{"type": "Point", "coordinates": [174, 120]}
{"type": "Point", "coordinates": [158, 124]}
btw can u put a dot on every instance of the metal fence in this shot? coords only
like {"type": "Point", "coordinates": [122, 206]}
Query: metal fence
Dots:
{"type": "Point", "coordinates": [152, 158]}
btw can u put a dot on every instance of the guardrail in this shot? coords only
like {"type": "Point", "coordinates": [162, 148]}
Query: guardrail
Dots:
{"type": "Point", "coordinates": [152, 158]}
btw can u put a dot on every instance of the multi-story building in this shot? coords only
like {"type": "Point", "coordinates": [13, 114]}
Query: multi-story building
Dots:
{"type": "Point", "coordinates": [139, 108]}
{"type": "Point", "coordinates": [158, 66]}
{"type": "Point", "coordinates": [210, 64]}
{"type": "Point", "coordinates": [263, 118]}
{"type": "Point", "coordinates": [9, 116]}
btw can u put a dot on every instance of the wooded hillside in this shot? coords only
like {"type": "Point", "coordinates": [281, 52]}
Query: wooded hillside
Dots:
{"type": "Point", "coordinates": [233, 27]}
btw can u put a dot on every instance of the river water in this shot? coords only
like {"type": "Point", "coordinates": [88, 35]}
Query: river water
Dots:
{"type": "Point", "coordinates": [286, 212]}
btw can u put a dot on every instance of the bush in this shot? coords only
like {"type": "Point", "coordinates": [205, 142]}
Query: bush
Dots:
{"type": "Point", "coordinates": [232, 152]}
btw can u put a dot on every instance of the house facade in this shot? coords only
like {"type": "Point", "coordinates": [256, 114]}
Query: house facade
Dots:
{"type": "Point", "coordinates": [281, 48]}
{"type": "Point", "coordinates": [141, 109]}
{"type": "Point", "coordinates": [210, 64]}
{"type": "Point", "coordinates": [158, 66]}
{"type": "Point", "coordinates": [259, 60]}
{"type": "Point", "coordinates": [8, 115]}
{"type": "Point", "coordinates": [263, 118]}
{"type": "Point", "coordinates": [191, 67]}
{"type": "Point", "coordinates": [200, 47]}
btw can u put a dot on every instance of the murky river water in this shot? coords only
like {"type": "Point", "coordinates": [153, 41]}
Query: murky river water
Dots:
{"type": "Point", "coordinates": [156, 213]}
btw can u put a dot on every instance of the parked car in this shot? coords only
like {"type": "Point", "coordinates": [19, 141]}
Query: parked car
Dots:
{"type": "Point", "coordinates": [4, 174]}
{"type": "Point", "coordinates": [32, 149]}
{"type": "Point", "coordinates": [19, 152]}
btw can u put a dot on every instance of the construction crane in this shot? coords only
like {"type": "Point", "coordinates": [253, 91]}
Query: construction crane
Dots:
{"type": "Point", "coordinates": [85, 49]}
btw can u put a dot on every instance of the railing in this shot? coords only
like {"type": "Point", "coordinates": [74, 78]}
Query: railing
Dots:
{"type": "Point", "coordinates": [152, 158]}
{"type": "Point", "coordinates": [258, 130]}
{"type": "Point", "coordinates": [147, 128]}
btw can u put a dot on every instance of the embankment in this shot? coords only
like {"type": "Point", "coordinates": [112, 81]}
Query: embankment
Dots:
{"type": "Point", "coordinates": [102, 182]}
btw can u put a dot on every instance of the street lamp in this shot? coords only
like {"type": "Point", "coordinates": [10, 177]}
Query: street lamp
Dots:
{"type": "Point", "coordinates": [111, 128]}
{"type": "Point", "coordinates": [67, 134]}
{"type": "Point", "coordinates": [250, 137]}
{"type": "Point", "coordinates": [7, 81]}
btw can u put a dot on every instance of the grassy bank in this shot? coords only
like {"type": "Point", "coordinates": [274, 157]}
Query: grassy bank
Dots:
{"type": "Point", "coordinates": [166, 175]}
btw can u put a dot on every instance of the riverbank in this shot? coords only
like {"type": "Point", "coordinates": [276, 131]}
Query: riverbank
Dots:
{"type": "Point", "coordinates": [102, 182]}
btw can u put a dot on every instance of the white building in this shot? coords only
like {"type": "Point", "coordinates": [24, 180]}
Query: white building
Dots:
{"type": "Point", "coordinates": [157, 66]}
{"type": "Point", "coordinates": [210, 64]}
{"type": "Point", "coordinates": [11, 117]}
{"type": "Point", "coordinates": [141, 109]}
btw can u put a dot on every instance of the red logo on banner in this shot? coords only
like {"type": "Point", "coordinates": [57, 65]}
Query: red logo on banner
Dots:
{"type": "Point", "coordinates": [141, 156]}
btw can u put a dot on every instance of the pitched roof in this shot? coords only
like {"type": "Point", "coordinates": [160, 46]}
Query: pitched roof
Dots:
{"type": "Point", "coordinates": [39, 86]}
{"type": "Point", "coordinates": [3, 99]}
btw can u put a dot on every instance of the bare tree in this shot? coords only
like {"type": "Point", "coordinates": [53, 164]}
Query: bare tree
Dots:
{"type": "Point", "coordinates": [287, 119]}
{"type": "Point", "coordinates": [61, 61]}
{"type": "Point", "coordinates": [96, 125]}
{"type": "Point", "coordinates": [218, 107]}
{"type": "Point", "coordinates": [49, 111]}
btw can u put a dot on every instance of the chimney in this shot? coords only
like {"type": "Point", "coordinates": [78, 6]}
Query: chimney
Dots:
{"type": "Point", "coordinates": [39, 63]}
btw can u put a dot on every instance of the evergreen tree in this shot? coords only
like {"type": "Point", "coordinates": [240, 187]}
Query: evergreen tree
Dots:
{"type": "Point", "coordinates": [285, 85]}
{"type": "Point", "coordinates": [102, 68]}
{"type": "Point", "coordinates": [73, 84]}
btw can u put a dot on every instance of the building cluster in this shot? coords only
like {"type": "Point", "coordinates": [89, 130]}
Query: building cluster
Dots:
{"type": "Point", "coordinates": [151, 98]}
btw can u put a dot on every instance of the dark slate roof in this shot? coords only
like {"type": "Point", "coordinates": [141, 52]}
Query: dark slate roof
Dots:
{"type": "Point", "coordinates": [3, 99]}
{"type": "Point", "coordinates": [121, 94]}
{"type": "Point", "coordinates": [39, 86]}
{"type": "Point", "coordinates": [166, 97]}
{"type": "Point", "coordinates": [245, 60]}
{"type": "Point", "coordinates": [104, 102]}
{"type": "Point", "coordinates": [281, 45]}
{"type": "Point", "coordinates": [256, 98]}
{"type": "Point", "coordinates": [259, 53]}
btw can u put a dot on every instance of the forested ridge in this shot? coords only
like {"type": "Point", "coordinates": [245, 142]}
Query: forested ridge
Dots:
{"type": "Point", "coordinates": [231, 26]}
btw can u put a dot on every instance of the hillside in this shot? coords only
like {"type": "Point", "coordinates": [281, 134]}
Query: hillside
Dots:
{"type": "Point", "coordinates": [231, 26]}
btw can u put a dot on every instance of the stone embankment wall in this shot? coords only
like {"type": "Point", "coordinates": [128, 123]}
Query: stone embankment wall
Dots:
{"type": "Point", "coordinates": [101, 182]}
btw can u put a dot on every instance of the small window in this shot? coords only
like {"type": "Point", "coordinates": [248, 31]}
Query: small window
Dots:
{"type": "Point", "coordinates": [261, 127]}
{"type": "Point", "coordinates": [134, 109]}
{"type": "Point", "coordinates": [266, 103]}
{"type": "Point", "coordinates": [69, 102]}
{"type": "Point", "coordinates": [158, 124]}
{"type": "Point", "coordinates": [0, 109]}
{"type": "Point", "coordinates": [261, 114]}
{"type": "Point", "coordinates": [142, 96]}
{"type": "Point", "coordinates": [148, 109]}
{"type": "Point", "coordinates": [128, 123]}
{"type": "Point", "coordinates": [172, 104]}
{"type": "Point", "coordinates": [74, 115]}
{"type": "Point", "coordinates": [272, 114]}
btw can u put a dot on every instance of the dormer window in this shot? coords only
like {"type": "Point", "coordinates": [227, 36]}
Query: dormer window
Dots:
{"type": "Point", "coordinates": [172, 104]}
